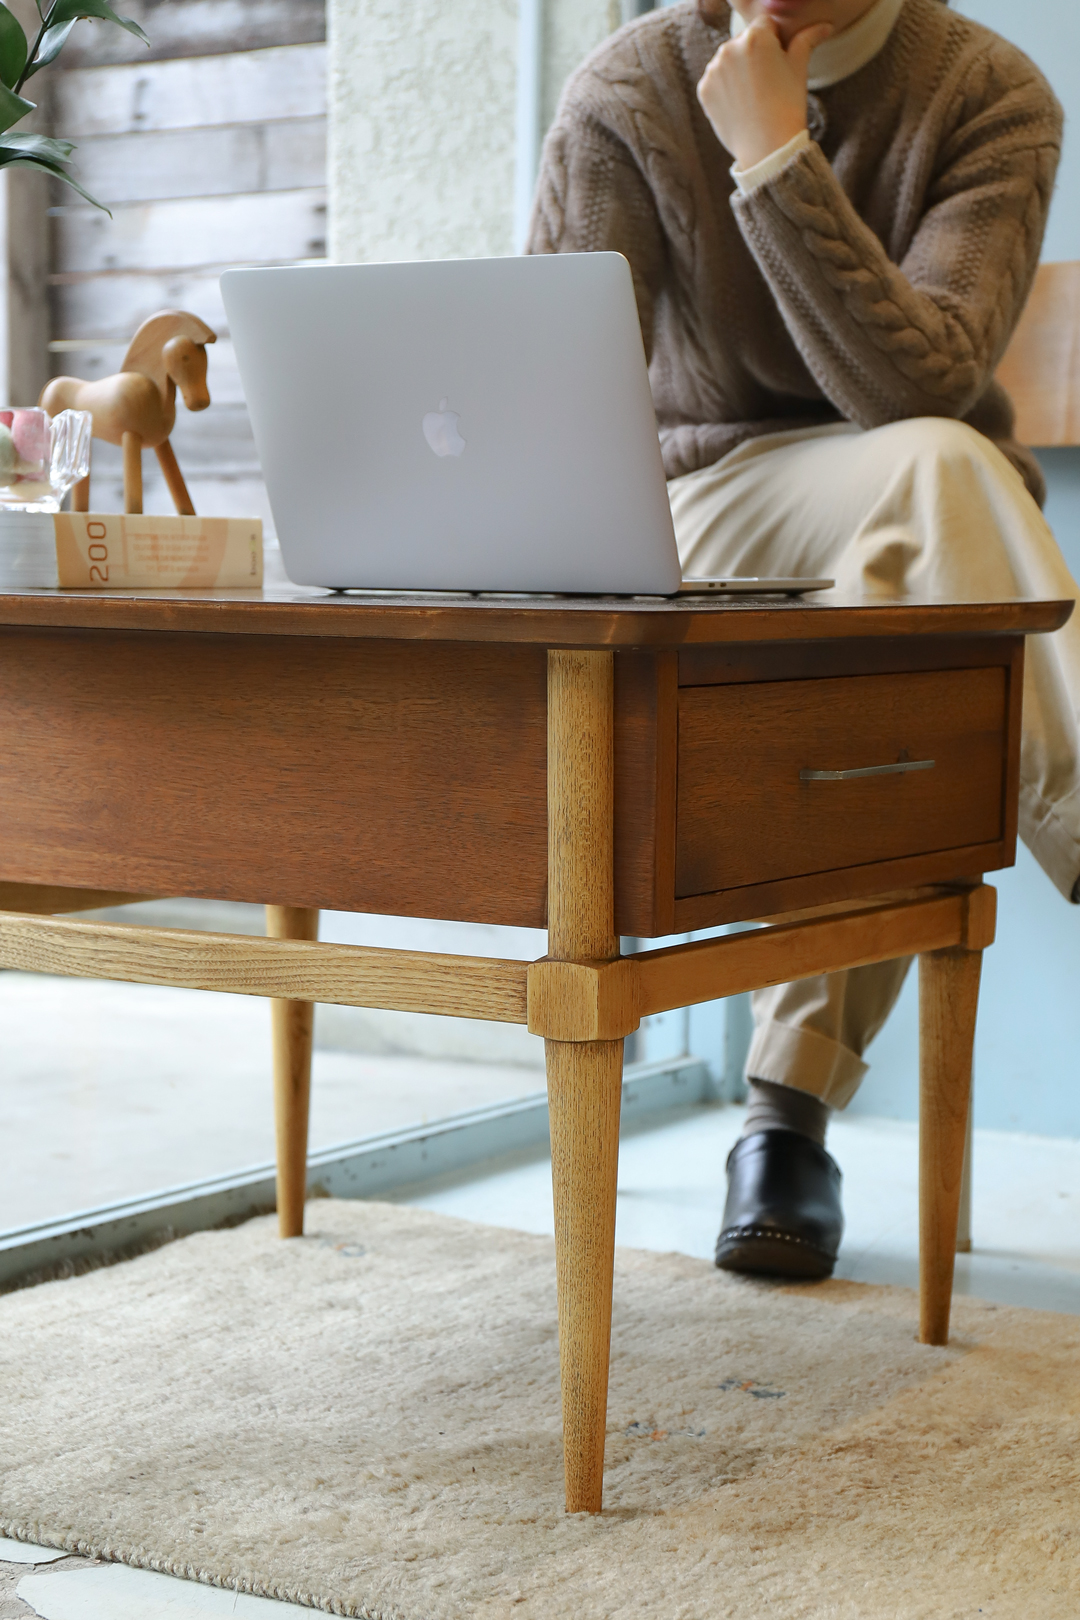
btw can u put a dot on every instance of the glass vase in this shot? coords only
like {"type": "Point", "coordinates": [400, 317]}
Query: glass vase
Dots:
{"type": "Point", "coordinates": [41, 457]}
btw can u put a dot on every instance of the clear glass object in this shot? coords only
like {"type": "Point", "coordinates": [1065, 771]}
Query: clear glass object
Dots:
{"type": "Point", "coordinates": [41, 457]}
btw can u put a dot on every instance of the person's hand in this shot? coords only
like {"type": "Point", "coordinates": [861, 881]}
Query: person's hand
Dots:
{"type": "Point", "coordinates": [754, 91]}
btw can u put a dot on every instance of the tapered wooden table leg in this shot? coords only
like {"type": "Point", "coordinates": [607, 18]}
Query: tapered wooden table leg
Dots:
{"type": "Point", "coordinates": [584, 1078]}
{"type": "Point", "coordinates": [948, 1001]}
{"type": "Point", "coordinates": [584, 1094]}
{"type": "Point", "coordinates": [293, 1024]}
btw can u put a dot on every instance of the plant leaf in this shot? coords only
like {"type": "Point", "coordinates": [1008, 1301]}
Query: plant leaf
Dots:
{"type": "Point", "coordinates": [71, 10]}
{"type": "Point", "coordinates": [53, 169]}
{"type": "Point", "coordinates": [36, 146]}
{"type": "Point", "coordinates": [13, 48]}
{"type": "Point", "coordinates": [12, 107]}
{"type": "Point", "coordinates": [52, 43]}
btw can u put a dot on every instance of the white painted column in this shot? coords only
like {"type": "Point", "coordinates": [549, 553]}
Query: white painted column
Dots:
{"type": "Point", "coordinates": [528, 113]}
{"type": "Point", "coordinates": [434, 134]}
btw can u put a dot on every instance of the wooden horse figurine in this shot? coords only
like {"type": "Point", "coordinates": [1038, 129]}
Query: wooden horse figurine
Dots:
{"type": "Point", "coordinates": [137, 407]}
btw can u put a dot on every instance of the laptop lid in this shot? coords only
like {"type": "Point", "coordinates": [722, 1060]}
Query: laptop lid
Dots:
{"type": "Point", "coordinates": [475, 424]}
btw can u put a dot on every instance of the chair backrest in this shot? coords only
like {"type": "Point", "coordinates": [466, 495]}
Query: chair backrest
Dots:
{"type": "Point", "coordinates": [1041, 368]}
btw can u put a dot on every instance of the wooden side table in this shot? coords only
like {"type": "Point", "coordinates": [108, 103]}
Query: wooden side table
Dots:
{"type": "Point", "coordinates": [846, 773]}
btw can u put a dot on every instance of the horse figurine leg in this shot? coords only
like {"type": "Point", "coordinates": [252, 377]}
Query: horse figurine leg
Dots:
{"type": "Point", "coordinates": [132, 443]}
{"type": "Point", "coordinates": [170, 467]}
{"type": "Point", "coordinates": [80, 495]}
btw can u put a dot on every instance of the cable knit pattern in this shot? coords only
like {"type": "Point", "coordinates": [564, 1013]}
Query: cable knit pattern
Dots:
{"type": "Point", "coordinates": [879, 276]}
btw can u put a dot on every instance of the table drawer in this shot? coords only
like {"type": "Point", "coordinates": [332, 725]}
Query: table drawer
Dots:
{"type": "Point", "coordinates": [745, 815]}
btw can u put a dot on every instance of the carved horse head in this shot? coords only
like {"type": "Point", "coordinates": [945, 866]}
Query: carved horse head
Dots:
{"type": "Point", "coordinates": [170, 349]}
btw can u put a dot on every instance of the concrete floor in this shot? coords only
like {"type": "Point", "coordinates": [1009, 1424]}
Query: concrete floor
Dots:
{"type": "Point", "coordinates": [1026, 1202]}
{"type": "Point", "coordinates": [114, 1091]}
{"type": "Point", "coordinates": [78, 1589]}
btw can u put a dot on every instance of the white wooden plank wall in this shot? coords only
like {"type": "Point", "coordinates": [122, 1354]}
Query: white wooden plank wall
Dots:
{"type": "Point", "coordinates": [244, 86]}
{"type": "Point", "coordinates": [196, 28]}
{"type": "Point", "coordinates": [210, 153]}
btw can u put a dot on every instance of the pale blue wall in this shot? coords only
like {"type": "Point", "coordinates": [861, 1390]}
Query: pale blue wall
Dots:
{"type": "Point", "coordinates": [1027, 1074]}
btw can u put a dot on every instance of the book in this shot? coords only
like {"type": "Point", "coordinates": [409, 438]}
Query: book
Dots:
{"type": "Point", "coordinates": [102, 551]}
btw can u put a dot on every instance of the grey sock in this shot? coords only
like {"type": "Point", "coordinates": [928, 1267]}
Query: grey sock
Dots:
{"type": "Point", "coordinates": [785, 1108]}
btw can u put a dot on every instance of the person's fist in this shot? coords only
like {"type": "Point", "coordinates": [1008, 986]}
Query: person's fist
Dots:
{"type": "Point", "coordinates": [754, 91]}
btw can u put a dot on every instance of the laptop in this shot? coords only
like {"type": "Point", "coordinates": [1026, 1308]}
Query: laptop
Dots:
{"type": "Point", "coordinates": [459, 425]}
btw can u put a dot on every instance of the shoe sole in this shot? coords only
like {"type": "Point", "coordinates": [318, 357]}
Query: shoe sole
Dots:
{"type": "Point", "coordinates": [771, 1254]}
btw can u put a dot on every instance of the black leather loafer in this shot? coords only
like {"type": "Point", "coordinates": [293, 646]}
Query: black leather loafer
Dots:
{"type": "Point", "coordinates": [783, 1216]}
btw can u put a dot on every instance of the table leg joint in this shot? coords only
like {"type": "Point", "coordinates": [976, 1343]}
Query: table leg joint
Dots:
{"type": "Point", "coordinates": [583, 1001]}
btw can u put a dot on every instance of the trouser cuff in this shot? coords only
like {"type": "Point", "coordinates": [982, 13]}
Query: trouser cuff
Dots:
{"type": "Point", "coordinates": [806, 1060]}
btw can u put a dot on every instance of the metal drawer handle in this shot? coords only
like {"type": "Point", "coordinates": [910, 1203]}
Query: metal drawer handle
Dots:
{"type": "Point", "coordinates": [899, 769]}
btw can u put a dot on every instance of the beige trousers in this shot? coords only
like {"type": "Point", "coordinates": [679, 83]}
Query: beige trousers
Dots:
{"type": "Point", "coordinates": [922, 508]}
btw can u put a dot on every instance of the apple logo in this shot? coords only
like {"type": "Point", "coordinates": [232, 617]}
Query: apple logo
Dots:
{"type": "Point", "coordinates": [441, 431]}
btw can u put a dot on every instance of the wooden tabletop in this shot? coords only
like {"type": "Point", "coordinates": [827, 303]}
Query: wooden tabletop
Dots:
{"type": "Point", "coordinates": [568, 621]}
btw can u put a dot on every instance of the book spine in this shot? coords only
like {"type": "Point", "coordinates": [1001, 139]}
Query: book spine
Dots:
{"type": "Point", "coordinates": [114, 550]}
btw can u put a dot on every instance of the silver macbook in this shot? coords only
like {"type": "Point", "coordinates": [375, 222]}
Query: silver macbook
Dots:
{"type": "Point", "coordinates": [476, 425]}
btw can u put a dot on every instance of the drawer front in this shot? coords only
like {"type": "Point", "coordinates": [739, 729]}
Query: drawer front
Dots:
{"type": "Point", "coordinates": [745, 815]}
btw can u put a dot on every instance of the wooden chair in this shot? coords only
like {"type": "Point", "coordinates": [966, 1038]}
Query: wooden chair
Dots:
{"type": "Point", "coordinates": [1041, 368]}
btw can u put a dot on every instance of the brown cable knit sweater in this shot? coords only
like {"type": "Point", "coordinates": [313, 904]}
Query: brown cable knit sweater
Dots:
{"type": "Point", "coordinates": [880, 276]}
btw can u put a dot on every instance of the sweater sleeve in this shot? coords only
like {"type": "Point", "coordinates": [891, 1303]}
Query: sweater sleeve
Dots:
{"type": "Point", "coordinates": [592, 197]}
{"type": "Point", "coordinates": [886, 341]}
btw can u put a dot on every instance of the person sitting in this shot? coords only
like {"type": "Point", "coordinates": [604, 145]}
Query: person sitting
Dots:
{"type": "Point", "coordinates": [833, 211]}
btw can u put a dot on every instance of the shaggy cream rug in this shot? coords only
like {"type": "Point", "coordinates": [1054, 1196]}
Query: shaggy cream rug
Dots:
{"type": "Point", "coordinates": [366, 1420]}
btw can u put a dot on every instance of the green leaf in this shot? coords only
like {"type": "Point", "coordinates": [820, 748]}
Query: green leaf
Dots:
{"type": "Point", "coordinates": [12, 48]}
{"type": "Point", "coordinates": [51, 44]}
{"type": "Point", "coordinates": [36, 146]}
{"type": "Point", "coordinates": [53, 169]}
{"type": "Point", "coordinates": [12, 107]}
{"type": "Point", "coordinates": [57, 23]}
{"type": "Point", "coordinates": [71, 10]}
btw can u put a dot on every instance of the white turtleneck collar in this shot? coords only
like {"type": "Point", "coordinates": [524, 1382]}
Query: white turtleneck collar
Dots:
{"type": "Point", "coordinates": [846, 53]}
